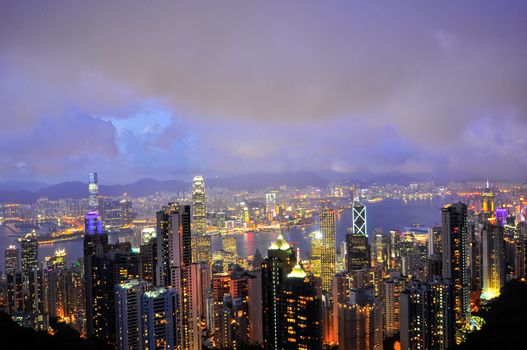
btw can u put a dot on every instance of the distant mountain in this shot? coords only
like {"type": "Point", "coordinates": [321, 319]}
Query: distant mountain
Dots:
{"type": "Point", "coordinates": [144, 187]}
{"type": "Point", "coordinates": [15, 185]}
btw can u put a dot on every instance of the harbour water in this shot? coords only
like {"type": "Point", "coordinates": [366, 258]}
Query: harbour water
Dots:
{"type": "Point", "coordinates": [388, 214]}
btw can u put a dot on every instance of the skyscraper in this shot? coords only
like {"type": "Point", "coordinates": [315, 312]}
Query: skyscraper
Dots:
{"type": "Point", "coordinates": [160, 318]}
{"type": "Point", "coordinates": [128, 298]}
{"type": "Point", "coordinates": [455, 256]}
{"type": "Point", "coordinates": [275, 268]}
{"type": "Point", "coordinates": [98, 279]}
{"type": "Point", "coordinates": [202, 250]}
{"type": "Point", "coordinates": [492, 259]}
{"type": "Point", "coordinates": [487, 197]}
{"type": "Point", "coordinates": [11, 259]}
{"type": "Point", "coordinates": [300, 305]}
{"type": "Point", "coordinates": [93, 189]}
{"type": "Point", "coordinates": [358, 256]}
{"type": "Point", "coordinates": [176, 270]}
{"type": "Point", "coordinates": [327, 248]}
{"type": "Point", "coordinates": [359, 219]}
{"type": "Point", "coordinates": [29, 252]}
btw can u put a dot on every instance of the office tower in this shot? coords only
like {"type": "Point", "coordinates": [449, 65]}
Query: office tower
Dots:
{"type": "Point", "coordinates": [392, 289]}
{"type": "Point", "coordinates": [520, 255]}
{"type": "Point", "coordinates": [254, 292]}
{"type": "Point", "coordinates": [176, 270]}
{"type": "Point", "coordinates": [359, 219]}
{"type": "Point", "coordinates": [270, 204]}
{"type": "Point", "coordinates": [230, 251]}
{"type": "Point", "coordinates": [148, 256]}
{"type": "Point", "coordinates": [74, 313]}
{"type": "Point", "coordinates": [455, 256]}
{"type": "Point", "coordinates": [93, 189]}
{"type": "Point", "coordinates": [487, 198]}
{"type": "Point", "coordinates": [202, 250]}
{"type": "Point", "coordinates": [15, 292]}
{"type": "Point", "coordinates": [98, 279]}
{"type": "Point", "coordinates": [126, 263]}
{"type": "Point", "coordinates": [435, 245]}
{"type": "Point", "coordinates": [316, 248]}
{"type": "Point", "coordinates": [377, 254]}
{"type": "Point", "coordinates": [29, 252]}
{"type": "Point", "coordinates": [275, 268]}
{"type": "Point", "coordinates": [359, 320]}
{"type": "Point", "coordinates": [159, 319]}
{"type": "Point", "coordinates": [358, 252]}
{"type": "Point", "coordinates": [440, 315]}
{"type": "Point", "coordinates": [300, 305]}
{"type": "Point", "coordinates": [128, 300]}
{"type": "Point", "coordinates": [327, 248]}
{"type": "Point", "coordinates": [221, 284]}
{"type": "Point", "coordinates": [413, 317]}
{"type": "Point", "coordinates": [493, 260]}
{"type": "Point", "coordinates": [11, 259]}
{"type": "Point", "coordinates": [126, 212]}
{"type": "Point", "coordinates": [110, 211]}
{"type": "Point", "coordinates": [55, 284]}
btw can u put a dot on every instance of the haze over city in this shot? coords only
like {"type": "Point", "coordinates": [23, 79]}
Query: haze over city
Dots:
{"type": "Point", "coordinates": [263, 175]}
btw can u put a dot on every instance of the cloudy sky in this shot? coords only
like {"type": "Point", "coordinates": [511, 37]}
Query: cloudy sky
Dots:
{"type": "Point", "coordinates": [165, 89]}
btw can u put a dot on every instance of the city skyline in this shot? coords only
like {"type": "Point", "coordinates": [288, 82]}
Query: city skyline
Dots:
{"type": "Point", "coordinates": [359, 89]}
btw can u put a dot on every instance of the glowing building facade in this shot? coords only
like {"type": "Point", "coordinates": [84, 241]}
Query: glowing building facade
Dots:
{"type": "Point", "coordinates": [327, 248]}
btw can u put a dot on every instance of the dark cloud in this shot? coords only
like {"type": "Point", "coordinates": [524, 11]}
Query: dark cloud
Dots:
{"type": "Point", "coordinates": [273, 85]}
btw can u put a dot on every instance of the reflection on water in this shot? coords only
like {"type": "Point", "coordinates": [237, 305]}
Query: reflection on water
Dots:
{"type": "Point", "coordinates": [388, 214]}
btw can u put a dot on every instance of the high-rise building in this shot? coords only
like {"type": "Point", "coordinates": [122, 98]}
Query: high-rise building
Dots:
{"type": "Point", "coordinates": [358, 256]}
{"type": "Point", "coordinates": [487, 198]}
{"type": "Point", "coordinates": [359, 320]}
{"type": "Point", "coordinates": [159, 310]}
{"type": "Point", "coordinates": [359, 219]}
{"type": "Point", "coordinates": [11, 259]}
{"type": "Point", "coordinates": [275, 268]}
{"type": "Point", "coordinates": [327, 248]}
{"type": "Point", "coordinates": [176, 270]}
{"type": "Point", "coordinates": [520, 254]}
{"type": "Point", "coordinates": [455, 256]}
{"type": "Point", "coordinates": [98, 279]}
{"type": "Point", "coordinates": [435, 244]}
{"type": "Point", "coordinates": [377, 254]}
{"type": "Point", "coordinates": [29, 252]}
{"type": "Point", "coordinates": [392, 289]}
{"type": "Point", "coordinates": [93, 189]}
{"type": "Point", "coordinates": [300, 305]}
{"type": "Point", "coordinates": [128, 299]}
{"type": "Point", "coordinates": [316, 247]}
{"type": "Point", "coordinates": [493, 259]}
{"type": "Point", "coordinates": [202, 250]}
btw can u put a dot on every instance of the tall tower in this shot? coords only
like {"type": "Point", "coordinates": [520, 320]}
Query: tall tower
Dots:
{"type": "Point", "coordinates": [492, 259]}
{"type": "Point", "coordinates": [328, 248]}
{"type": "Point", "coordinates": [11, 259]}
{"type": "Point", "coordinates": [275, 268]}
{"type": "Point", "coordinates": [93, 189]}
{"type": "Point", "coordinates": [98, 279]}
{"type": "Point", "coordinates": [128, 298]}
{"type": "Point", "coordinates": [29, 252]}
{"type": "Point", "coordinates": [202, 250]}
{"type": "Point", "coordinates": [302, 328]}
{"type": "Point", "coordinates": [487, 197]}
{"type": "Point", "coordinates": [358, 249]}
{"type": "Point", "coordinates": [159, 318]}
{"type": "Point", "coordinates": [175, 269]}
{"type": "Point", "coordinates": [358, 216]}
{"type": "Point", "coordinates": [455, 256]}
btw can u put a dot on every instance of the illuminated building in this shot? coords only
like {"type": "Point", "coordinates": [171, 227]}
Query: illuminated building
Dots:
{"type": "Point", "coordinates": [435, 244]}
{"type": "Point", "coordinates": [455, 256]}
{"type": "Point", "coordinates": [358, 252]}
{"type": "Point", "coordinates": [275, 268]}
{"type": "Point", "coordinates": [493, 260]}
{"type": "Point", "coordinates": [327, 248]}
{"type": "Point", "coordinates": [202, 250]}
{"type": "Point", "coordinates": [316, 247]}
{"type": "Point", "coordinates": [426, 316]}
{"type": "Point", "coordinates": [127, 213]}
{"type": "Point", "coordinates": [359, 219]}
{"type": "Point", "coordinates": [520, 254]}
{"type": "Point", "coordinates": [29, 252]}
{"type": "Point", "coordinates": [359, 320]}
{"type": "Point", "coordinates": [55, 284]}
{"type": "Point", "coordinates": [98, 279]}
{"type": "Point", "coordinates": [270, 204]}
{"type": "Point", "coordinates": [254, 295]}
{"type": "Point", "coordinates": [487, 198]}
{"type": "Point", "coordinates": [11, 259]}
{"type": "Point", "coordinates": [125, 262]}
{"type": "Point", "coordinates": [159, 310]}
{"type": "Point", "coordinates": [147, 234]}
{"type": "Point", "coordinates": [300, 304]}
{"type": "Point", "coordinates": [175, 269]}
{"type": "Point", "coordinates": [230, 251]}
{"type": "Point", "coordinates": [377, 255]}
{"type": "Point", "coordinates": [392, 288]}
{"type": "Point", "coordinates": [128, 299]}
{"type": "Point", "coordinates": [93, 189]}
{"type": "Point", "coordinates": [148, 256]}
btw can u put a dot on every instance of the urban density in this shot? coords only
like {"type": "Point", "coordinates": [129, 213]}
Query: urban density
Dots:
{"type": "Point", "coordinates": [263, 175]}
{"type": "Point", "coordinates": [175, 277]}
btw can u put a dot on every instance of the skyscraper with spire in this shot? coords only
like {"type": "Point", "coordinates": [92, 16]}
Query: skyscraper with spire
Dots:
{"type": "Point", "coordinates": [93, 189]}
{"type": "Point", "coordinates": [202, 250]}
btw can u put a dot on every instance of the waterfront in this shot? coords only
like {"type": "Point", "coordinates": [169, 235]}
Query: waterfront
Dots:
{"type": "Point", "coordinates": [388, 214]}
